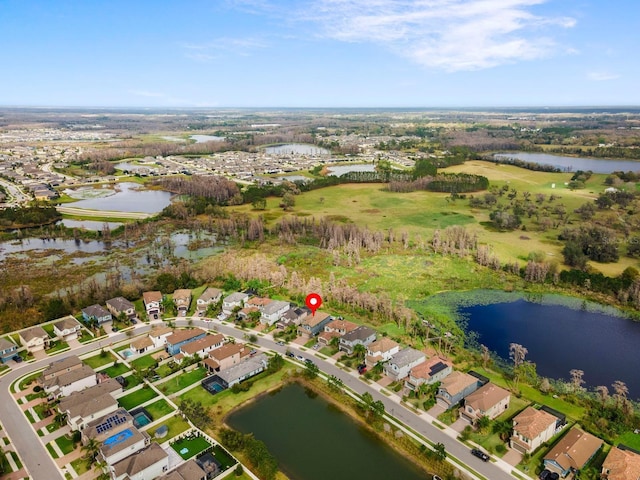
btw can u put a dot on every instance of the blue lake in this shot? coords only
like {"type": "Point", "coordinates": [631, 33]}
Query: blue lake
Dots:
{"type": "Point", "coordinates": [560, 339]}
{"type": "Point", "coordinates": [596, 165]}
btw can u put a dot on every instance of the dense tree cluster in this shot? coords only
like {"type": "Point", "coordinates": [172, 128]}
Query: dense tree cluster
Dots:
{"type": "Point", "coordinates": [19, 217]}
{"type": "Point", "coordinates": [261, 460]}
{"type": "Point", "coordinates": [215, 187]}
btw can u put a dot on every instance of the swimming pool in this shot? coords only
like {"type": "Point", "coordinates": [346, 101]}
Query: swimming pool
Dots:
{"type": "Point", "coordinates": [118, 438]}
{"type": "Point", "coordinates": [141, 419]}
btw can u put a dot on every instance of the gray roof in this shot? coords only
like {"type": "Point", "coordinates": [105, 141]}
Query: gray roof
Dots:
{"type": "Point", "coordinates": [67, 323]}
{"type": "Point", "coordinates": [70, 377]}
{"type": "Point", "coordinates": [187, 471]}
{"type": "Point", "coordinates": [243, 368]}
{"type": "Point", "coordinates": [120, 304]}
{"type": "Point", "coordinates": [122, 417]}
{"type": "Point", "coordinates": [142, 460]}
{"type": "Point", "coordinates": [210, 293]}
{"type": "Point", "coordinates": [406, 356]}
{"type": "Point", "coordinates": [6, 344]}
{"type": "Point", "coordinates": [113, 448]}
{"type": "Point", "coordinates": [272, 307]}
{"type": "Point", "coordinates": [236, 297]}
{"type": "Point", "coordinates": [33, 332]}
{"type": "Point", "coordinates": [90, 400]}
{"type": "Point", "coordinates": [63, 364]}
{"type": "Point", "coordinates": [361, 333]}
{"type": "Point", "coordinates": [96, 311]}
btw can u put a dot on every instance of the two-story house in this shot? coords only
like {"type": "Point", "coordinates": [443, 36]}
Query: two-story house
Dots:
{"type": "Point", "coordinates": [120, 305]}
{"type": "Point", "coordinates": [152, 303]}
{"type": "Point", "coordinates": [622, 463]}
{"type": "Point", "coordinates": [312, 325]}
{"type": "Point", "coordinates": [401, 363]}
{"type": "Point", "coordinates": [273, 311]}
{"type": "Point", "coordinates": [226, 356]}
{"type": "Point", "coordinates": [7, 350]}
{"type": "Point", "coordinates": [180, 338]}
{"type": "Point", "coordinates": [381, 351]}
{"type": "Point", "coordinates": [293, 316]}
{"type": "Point", "coordinates": [34, 338]}
{"type": "Point", "coordinates": [362, 335]}
{"type": "Point", "coordinates": [572, 452]}
{"type": "Point", "coordinates": [96, 313]}
{"type": "Point", "coordinates": [210, 296]}
{"type": "Point", "coordinates": [488, 401]}
{"type": "Point", "coordinates": [69, 382]}
{"type": "Point", "coordinates": [531, 428]}
{"type": "Point", "coordinates": [435, 369]}
{"type": "Point", "coordinates": [247, 368]}
{"type": "Point", "coordinates": [159, 336]}
{"type": "Point", "coordinates": [202, 346]}
{"type": "Point", "coordinates": [89, 404]}
{"type": "Point", "coordinates": [189, 470]}
{"type": "Point", "coordinates": [455, 387]}
{"type": "Point", "coordinates": [67, 328]}
{"type": "Point", "coordinates": [182, 301]}
{"type": "Point", "coordinates": [236, 299]}
{"type": "Point", "coordinates": [146, 464]}
{"type": "Point", "coordinates": [335, 329]}
{"type": "Point", "coordinates": [141, 345]}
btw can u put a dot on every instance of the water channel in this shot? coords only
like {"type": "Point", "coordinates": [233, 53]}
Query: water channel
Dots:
{"type": "Point", "coordinates": [313, 440]}
{"type": "Point", "coordinates": [560, 338]}
{"type": "Point", "coordinates": [596, 165]}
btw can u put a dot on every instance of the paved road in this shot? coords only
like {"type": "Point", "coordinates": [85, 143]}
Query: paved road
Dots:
{"type": "Point", "coordinates": [16, 193]}
{"type": "Point", "coordinates": [416, 422]}
{"type": "Point", "coordinates": [35, 456]}
{"type": "Point", "coordinates": [41, 467]}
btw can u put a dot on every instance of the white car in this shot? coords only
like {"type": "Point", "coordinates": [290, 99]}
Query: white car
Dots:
{"type": "Point", "coordinates": [300, 357]}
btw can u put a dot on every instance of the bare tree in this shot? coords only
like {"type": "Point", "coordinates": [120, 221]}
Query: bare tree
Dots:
{"type": "Point", "coordinates": [621, 390]}
{"type": "Point", "coordinates": [576, 379]}
{"type": "Point", "coordinates": [603, 393]}
{"type": "Point", "coordinates": [517, 353]}
{"type": "Point", "coordinates": [486, 355]}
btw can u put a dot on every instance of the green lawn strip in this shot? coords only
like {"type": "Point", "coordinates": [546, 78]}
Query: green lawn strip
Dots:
{"type": "Point", "coordinates": [195, 294]}
{"type": "Point", "coordinates": [176, 426]}
{"type": "Point", "coordinates": [33, 396]}
{"type": "Point", "coordinates": [194, 446]}
{"type": "Point", "coordinates": [80, 465]}
{"type": "Point", "coordinates": [179, 382]}
{"type": "Point", "coordinates": [329, 351]}
{"type": "Point", "coordinates": [49, 329]}
{"type": "Point", "coordinates": [16, 459]}
{"type": "Point", "coordinates": [534, 466]}
{"type": "Point", "coordinates": [119, 369]}
{"type": "Point", "coordinates": [66, 444]}
{"type": "Point", "coordinates": [27, 413]}
{"type": "Point", "coordinates": [26, 381]}
{"type": "Point", "coordinates": [4, 368]}
{"type": "Point", "coordinates": [40, 410]}
{"type": "Point", "coordinates": [489, 441]}
{"type": "Point", "coordinates": [159, 409]}
{"type": "Point", "coordinates": [52, 427]}
{"type": "Point", "coordinates": [143, 363]}
{"type": "Point", "coordinates": [164, 370]}
{"type": "Point", "coordinates": [121, 347]}
{"type": "Point", "coordinates": [136, 398]}
{"type": "Point", "coordinates": [56, 347]}
{"type": "Point", "coordinates": [132, 381]}
{"type": "Point", "coordinates": [223, 457]}
{"type": "Point", "coordinates": [51, 451]}
{"type": "Point", "coordinates": [629, 439]}
{"type": "Point", "coordinates": [574, 412]}
{"type": "Point", "coordinates": [100, 360]}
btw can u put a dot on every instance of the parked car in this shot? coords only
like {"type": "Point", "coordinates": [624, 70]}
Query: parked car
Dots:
{"type": "Point", "coordinates": [253, 352]}
{"type": "Point", "coordinates": [362, 369]}
{"type": "Point", "coordinates": [300, 357]}
{"type": "Point", "coordinates": [281, 343]}
{"type": "Point", "coordinates": [316, 346]}
{"type": "Point", "coordinates": [308, 360]}
{"type": "Point", "coordinates": [17, 358]}
{"type": "Point", "coordinates": [289, 354]}
{"type": "Point", "coordinates": [436, 477]}
{"type": "Point", "coordinates": [544, 474]}
{"type": "Point", "coordinates": [480, 454]}
{"type": "Point", "coordinates": [134, 321]}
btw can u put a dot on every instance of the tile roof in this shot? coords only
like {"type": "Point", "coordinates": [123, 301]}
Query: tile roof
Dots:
{"type": "Point", "coordinates": [80, 403]}
{"type": "Point", "coordinates": [62, 364]}
{"type": "Point", "coordinates": [227, 350]}
{"type": "Point", "coordinates": [183, 335]}
{"type": "Point", "coordinates": [486, 397]}
{"type": "Point", "coordinates": [406, 356]}
{"type": "Point", "coordinates": [202, 343]}
{"type": "Point", "coordinates": [456, 382]}
{"type": "Point", "coordinates": [530, 423]}
{"type": "Point", "coordinates": [154, 296]}
{"type": "Point", "coordinates": [85, 371]}
{"type": "Point", "coordinates": [382, 345]}
{"type": "Point", "coordinates": [574, 449]}
{"type": "Point", "coordinates": [622, 464]}
{"type": "Point", "coordinates": [142, 460]}
{"type": "Point", "coordinates": [313, 320]}
{"type": "Point", "coordinates": [425, 369]}
{"type": "Point", "coordinates": [142, 343]}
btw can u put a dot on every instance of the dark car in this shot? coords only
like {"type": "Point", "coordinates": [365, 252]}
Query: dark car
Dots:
{"type": "Point", "coordinates": [544, 474]}
{"type": "Point", "coordinates": [17, 358]}
{"type": "Point", "coordinates": [480, 454]}
{"type": "Point", "coordinates": [134, 321]}
{"type": "Point", "coordinates": [553, 476]}
{"type": "Point", "coordinates": [362, 369]}
{"type": "Point", "coordinates": [289, 354]}
{"type": "Point", "coordinates": [308, 360]}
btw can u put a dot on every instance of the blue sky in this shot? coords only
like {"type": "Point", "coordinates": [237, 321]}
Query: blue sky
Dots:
{"type": "Point", "coordinates": [319, 53]}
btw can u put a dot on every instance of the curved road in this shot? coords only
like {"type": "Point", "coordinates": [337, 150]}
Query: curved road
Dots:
{"type": "Point", "coordinates": [42, 467]}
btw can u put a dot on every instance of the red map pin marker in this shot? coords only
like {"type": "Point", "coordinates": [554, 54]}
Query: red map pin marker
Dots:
{"type": "Point", "coordinates": [313, 301]}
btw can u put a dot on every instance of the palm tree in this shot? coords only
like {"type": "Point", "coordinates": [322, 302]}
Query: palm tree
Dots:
{"type": "Point", "coordinates": [92, 447]}
{"type": "Point", "coordinates": [60, 418]}
{"type": "Point", "coordinates": [360, 351]}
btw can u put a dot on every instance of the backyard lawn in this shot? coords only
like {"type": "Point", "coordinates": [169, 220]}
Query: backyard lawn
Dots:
{"type": "Point", "coordinates": [136, 398]}
{"type": "Point", "coordinates": [159, 409]}
{"type": "Point", "coordinates": [65, 444]}
{"type": "Point", "coordinates": [176, 426]}
{"type": "Point", "coordinates": [80, 465]}
{"type": "Point", "coordinates": [132, 381]}
{"type": "Point", "coordinates": [114, 371]}
{"type": "Point", "coordinates": [182, 381]}
{"type": "Point", "coordinates": [56, 347]}
{"type": "Point", "coordinates": [100, 360]}
{"type": "Point", "coordinates": [193, 446]}
{"type": "Point", "coordinates": [629, 439]}
{"type": "Point", "coordinates": [143, 363]}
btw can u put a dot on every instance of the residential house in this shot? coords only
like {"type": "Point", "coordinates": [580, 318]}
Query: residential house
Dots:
{"type": "Point", "coordinates": [401, 363]}
{"type": "Point", "coordinates": [622, 463]}
{"type": "Point", "coordinates": [202, 346]}
{"type": "Point", "coordinates": [182, 337]}
{"type": "Point", "coordinates": [122, 443]}
{"type": "Point", "coordinates": [249, 367]}
{"type": "Point", "coordinates": [236, 299]}
{"type": "Point", "coordinates": [120, 305]}
{"type": "Point", "coordinates": [187, 471]}
{"type": "Point", "coordinates": [96, 313]}
{"type": "Point", "coordinates": [273, 311]}
{"type": "Point", "coordinates": [455, 387]}
{"type": "Point", "coordinates": [59, 367]}
{"type": "Point", "coordinates": [245, 312]}
{"type": "Point", "coordinates": [152, 303]}
{"type": "Point", "coordinates": [210, 296]}
{"type": "Point", "coordinates": [90, 404]}
{"type": "Point", "coordinates": [159, 336]}
{"type": "Point", "coordinates": [531, 428]}
{"type": "Point", "coordinates": [182, 301]}
{"type": "Point", "coordinates": [72, 381]}
{"type": "Point", "coordinates": [362, 335]}
{"type": "Point", "coordinates": [435, 369]}
{"type": "Point", "coordinates": [488, 401]}
{"type": "Point", "coordinates": [67, 328]}
{"type": "Point", "coordinates": [141, 345]}
{"type": "Point", "coordinates": [381, 351]}
{"type": "Point", "coordinates": [313, 325]}
{"type": "Point", "coordinates": [259, 302]}
{"type": "Point", "coordinates": [104, 427]}
{"type": "Point", "coordinates": [572, 452]}
{"type": "Point", "coordinates": [147, 464]}
{"type": "Point", "coordinates": [226, 356]}
{"type": "Point", "coordinates": [293, 316]}
{"type": "Point", "coordinates": [34, 339]}
{"type": "Point", "coordinates": [7, 350]}
{"type": "Point", "coordinates": [335, 329]}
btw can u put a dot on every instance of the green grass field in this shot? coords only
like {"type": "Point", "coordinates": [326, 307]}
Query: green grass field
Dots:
{"type": "Point", "coordinates": [159, 409]}
{"type": "Point", "coordinates": [143, 363]}
{"type": "Point", "coordinates": [119, 369]}
{"type": "Point", "coordinates": [65, 443]}
{"type": "Point", "coordinates": [182, 381]}
{"type": "Point", "coordinates": [193, 447]}
{"type": "Point", "coordinates": [176, 426]}
{"type": "Point", "coordinates": [136, 398]}
{"type": "Point", "coordinates": [100, 360]}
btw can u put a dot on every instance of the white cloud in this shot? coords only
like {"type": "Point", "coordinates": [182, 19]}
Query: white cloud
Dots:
{"type": "Point", "coordinates": [450, 35]}
{"type": "Point", "coordinates": [602, 76]}
{"type": "Point", "coordinates": [216, 48]}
